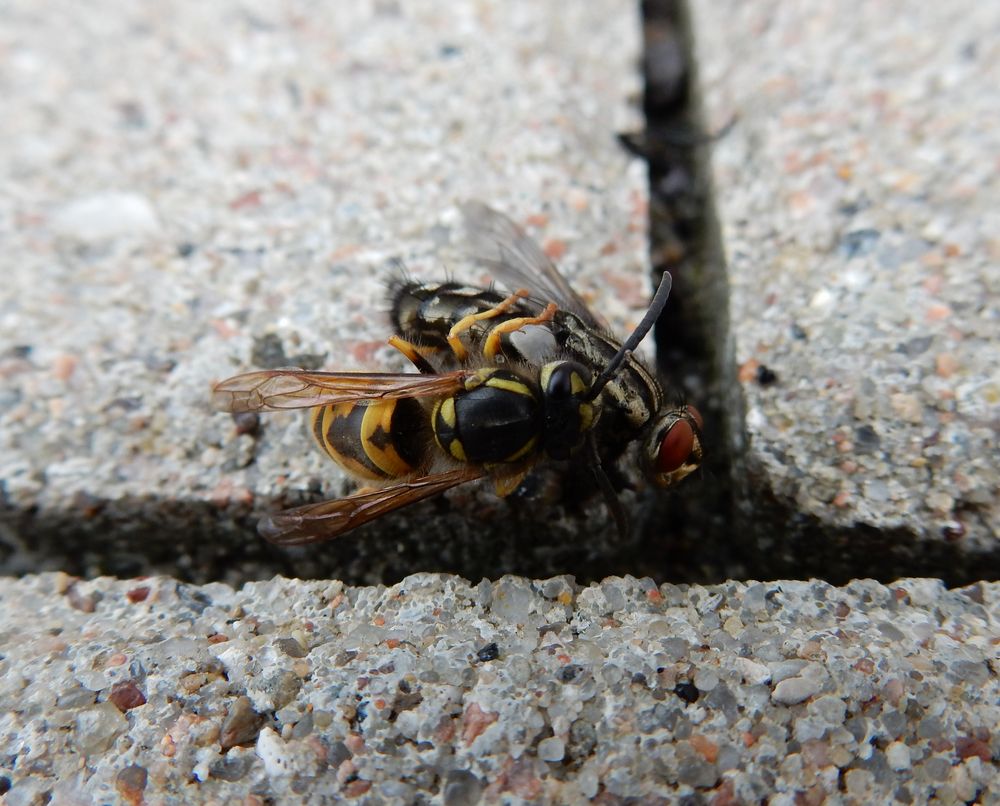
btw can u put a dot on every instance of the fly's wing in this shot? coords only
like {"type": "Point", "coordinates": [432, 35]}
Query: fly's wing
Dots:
{"type": "Point", "coordinates": [517, 261]}
{"type": "Point", "coordinates": [315, 523]}
{"type": "Point", "coordinates": [280, 389]}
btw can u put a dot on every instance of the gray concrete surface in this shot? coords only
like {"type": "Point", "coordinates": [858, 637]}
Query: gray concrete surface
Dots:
{"type": "Point", "coordinates": [441, 691]}
{"type": "Point", "coordinates": [857, 196]}
{"type": "Point", "coordinates": [194, 189]}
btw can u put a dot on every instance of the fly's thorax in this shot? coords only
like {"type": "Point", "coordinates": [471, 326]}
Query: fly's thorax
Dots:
{"type": "Point", "coordinates": [426, 313]}
{"type": "Point", "coordinates": [496, 419]}
{"type": "Point", "coordinates": [636, 393]}
{"type": "Point", "coordinates": [378, 440]}
{"type": "Point", "coordinates": [633, 395]}
{"type": "Point", "coordinates": [672, 446]}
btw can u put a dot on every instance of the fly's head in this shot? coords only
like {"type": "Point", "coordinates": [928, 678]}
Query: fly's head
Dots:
{"type": "Point", "coordinates": [672, 448]}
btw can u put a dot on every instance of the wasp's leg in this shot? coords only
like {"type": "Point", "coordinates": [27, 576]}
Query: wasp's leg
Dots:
{"type": "Point", "coordinates": [505, 485]}
{"type": "Point", "coordinates": [608, 490]}
{"type": "Point", "coordinates": [412, 353]}
{"type": "Point", "coordinates": [467, 322]}
{"type": "Point", "coordinates": [493, 345]}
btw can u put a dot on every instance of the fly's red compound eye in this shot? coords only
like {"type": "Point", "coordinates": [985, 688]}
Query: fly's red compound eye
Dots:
{"type": "Point", "coordinates": [675, 447]}
{"type": "Point", "coordinates": [696, 416]}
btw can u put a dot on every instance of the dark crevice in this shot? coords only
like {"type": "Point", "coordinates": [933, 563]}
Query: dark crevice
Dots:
{"type": "Point", "coordinates": [535, 533]}
{"type": "Point", "coordinates": [692, 529]}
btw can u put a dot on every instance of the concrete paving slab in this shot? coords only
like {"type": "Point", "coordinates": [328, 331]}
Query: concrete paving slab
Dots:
{"type": "Point", "coordinates": [857, 197]}
{"type": "Point", "coordinates": [195, 189]}
{"type": "Point", "coordinates": [438, 690]}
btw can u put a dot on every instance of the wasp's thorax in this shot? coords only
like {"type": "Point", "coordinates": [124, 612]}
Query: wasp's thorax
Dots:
{"type": "Point", "coordinates": [502, 417]}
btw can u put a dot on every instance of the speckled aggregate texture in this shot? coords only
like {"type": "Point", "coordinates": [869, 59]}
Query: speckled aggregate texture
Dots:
{"type": "Point", "coordinates": [437, 690]}
{"type": "Point", "coordinates": [859, 207]}
{"type": "Point", "coordinates": [196, 189]}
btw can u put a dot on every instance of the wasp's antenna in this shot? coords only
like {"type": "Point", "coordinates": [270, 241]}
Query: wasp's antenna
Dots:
{"type": "Point", "coordinates": [655, 309]}
{"type": "Point", "coordinates": [610, 496]}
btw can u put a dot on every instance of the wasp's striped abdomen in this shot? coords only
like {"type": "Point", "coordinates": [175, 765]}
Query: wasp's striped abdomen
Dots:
{"type": "Point", "coordinates": [384, 439]}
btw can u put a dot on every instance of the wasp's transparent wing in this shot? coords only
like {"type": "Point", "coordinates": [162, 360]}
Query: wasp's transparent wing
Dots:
{"type": "Point", "coordinates": [326, 520]}
{"type": "Point", "coordinates": [280, 389]}
{"type": "Point", "coordinates": [510, 255]}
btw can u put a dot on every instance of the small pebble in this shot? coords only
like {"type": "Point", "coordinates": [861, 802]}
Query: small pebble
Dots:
{"type": "Point", "coordinates": [551, 749]}
{"type": "Point", "coordinates": [241, 725]}
{"type": "Point", "coordinates": [897, 754]}
{"type": "Point", "coordinates": [104, 216]}
{"type": "Point", "coordinates": [131, 783]}
{"type": "Point", "coordinates": [126, 695]}
{"type": "Point", "coordinates": [794, 690]}
{"type": "Point", "coordinates": [97, 728]}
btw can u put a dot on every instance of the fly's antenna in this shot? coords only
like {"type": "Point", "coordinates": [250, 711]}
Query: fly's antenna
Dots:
{"type": "Point", "coordinates": [652, 314]}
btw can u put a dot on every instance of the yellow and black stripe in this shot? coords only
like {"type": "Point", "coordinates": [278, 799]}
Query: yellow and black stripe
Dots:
{"type": "Point", "coordinates": [378, 440]}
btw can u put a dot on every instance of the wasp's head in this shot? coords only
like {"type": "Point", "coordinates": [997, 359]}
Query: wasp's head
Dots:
{"type": "Point", "coordinates": [569, 413]}
{"type": "Point", "coordinates": [673, 448]}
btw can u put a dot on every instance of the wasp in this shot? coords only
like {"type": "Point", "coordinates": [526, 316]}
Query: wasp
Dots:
{"type": "Point", "coordinates": [502, 382]}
